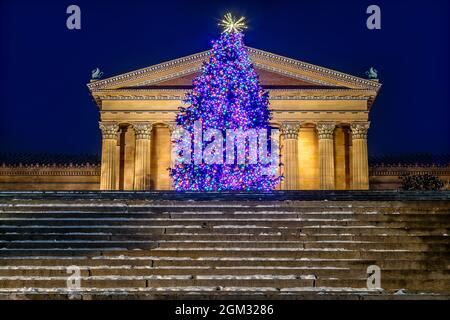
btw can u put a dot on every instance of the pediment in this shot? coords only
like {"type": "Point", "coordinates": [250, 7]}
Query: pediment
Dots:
{"type": "Point", "coordinates": [268, 80]}
{"type": "Point", "coordinates": [274, 71]}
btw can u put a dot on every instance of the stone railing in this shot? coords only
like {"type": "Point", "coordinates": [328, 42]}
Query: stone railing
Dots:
{"type": "Point", "coordinates": [388, 176]}
{"type": "Point", "coordinates": [49, 177]}
{"type": "Point", "coordinates": [50, 170]}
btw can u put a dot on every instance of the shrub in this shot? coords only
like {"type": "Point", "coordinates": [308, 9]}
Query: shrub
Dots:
{"type": "Point", "coordinates": [423, 181]}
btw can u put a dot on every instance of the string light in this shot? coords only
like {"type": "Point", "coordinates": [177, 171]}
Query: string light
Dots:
{"type": "Point", "coordinates": [227, 95]}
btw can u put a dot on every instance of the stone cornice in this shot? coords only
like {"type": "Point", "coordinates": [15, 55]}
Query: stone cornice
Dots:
{"type": "Point", "coordinates": [287, 66]}
{"type": "Point", "coordinates": [322, 71]}
{"type": "Point", "coordinates": [140, 73]}
{"type": "Point", "coordinates": [180, 98]}
{"type": "Point", "coordinates": [135, 111]}
{"type": "Point", "coordinates": [368, 92]}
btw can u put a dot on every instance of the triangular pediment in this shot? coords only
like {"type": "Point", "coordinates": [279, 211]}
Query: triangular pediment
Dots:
{"type": "Point", "coordinates": [274, 71]}
{"type": "Point", "coordinates": [268, 79]}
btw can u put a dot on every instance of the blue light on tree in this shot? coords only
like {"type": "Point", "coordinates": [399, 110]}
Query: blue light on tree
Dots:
{"type": "Point", "coordinates": [226, 96]}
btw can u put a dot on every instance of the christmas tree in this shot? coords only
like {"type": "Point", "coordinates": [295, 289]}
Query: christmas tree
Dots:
{"type": "Point", "coordinates": [227, 99]}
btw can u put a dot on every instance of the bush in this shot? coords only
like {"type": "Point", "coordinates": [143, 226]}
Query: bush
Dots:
{"type": "Point", "coordinates": [421, 182]}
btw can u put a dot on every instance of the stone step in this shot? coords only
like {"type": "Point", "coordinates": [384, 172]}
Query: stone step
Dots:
{"type": "Point", "coordinates": [154, 261]}
{"type": "Point", "coordinates": [207, 293]}
{"type": "Point", "coordinates": [329, 253]}
{"type": "Point", "coordinates": [156, 281]}
{"type": "Point", "coordinates": [213, 292]}
{"type": "Point", "coordinates": [128, 270]}
{"type": "Point", "coordinates": [388, 216]}
{"type": "Point", "coordinates": [82, 244]}
{"type": "Point", "coordinates": [223, 237]}
{"type": "Point", "coordinates": [228, 229]}
{"type": "Point", "coordinates": [275, 252]}
{"type": "Point", "coordinates": [226, 247]}
{"type": "Point", "coordinates": [279, 282]}
{"type": "Point", "coordinates": [161, 206]}
{"type": "Point", "coordinates": [306, 245]}
{"type": "Point", "coordinates": [351, 245]}
{"type": "Point", "coordinates": [212, 223]}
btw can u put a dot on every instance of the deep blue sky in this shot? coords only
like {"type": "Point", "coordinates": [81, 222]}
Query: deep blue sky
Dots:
{"type": "Point", "coordinates": [44, 67]}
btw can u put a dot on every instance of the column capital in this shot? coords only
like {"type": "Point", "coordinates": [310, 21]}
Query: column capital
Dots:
{"type": "Point", "coordinates": [325, 130]}
{"type": "Point", "coordinates": [172, 125]}
{"type": "Point", "coordinates": [109, 130]}
{"type": "Point", "coordinates": [290, 129]}
{"type": "Point", "coordinates": [143, 130]}
{"type": "Point", "coordinates": [359, 130]}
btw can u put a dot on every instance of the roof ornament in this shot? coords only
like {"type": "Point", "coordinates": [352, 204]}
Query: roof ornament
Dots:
{"type": "Point", "coordinates": [96, 74]}
{"type": "Point", "coordinates": [231, 24]}
{"type": "Point", "coordinates": [372, 73]}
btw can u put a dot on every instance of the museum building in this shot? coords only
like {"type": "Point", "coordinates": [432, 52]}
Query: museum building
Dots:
{"type": "Point", "coordinates": [322, 115]}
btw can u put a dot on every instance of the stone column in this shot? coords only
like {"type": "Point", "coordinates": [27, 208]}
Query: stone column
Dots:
{"type": "Point", "coordinates": [360, 161]}
{"type": "Point", "coordinates": [325, 132]}
{"type": "Point", "coordinates": [108, 176]}
{"type": "Point", "coordinates": [172, 125]}
{"type": "Point", "coordinates": [143, 132]}
{"type": "Point", "coordinates": [290, 130]}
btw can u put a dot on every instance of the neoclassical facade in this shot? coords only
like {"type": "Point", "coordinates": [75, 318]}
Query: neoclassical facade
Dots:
{"type": "Point", "coordinates": [323, 117]}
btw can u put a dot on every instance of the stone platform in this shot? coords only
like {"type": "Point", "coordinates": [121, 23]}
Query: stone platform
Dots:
{"type": "Point", "coordinates": [169, 245]}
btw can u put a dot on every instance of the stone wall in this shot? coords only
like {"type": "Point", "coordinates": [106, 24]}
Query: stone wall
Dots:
{"type": "Point", "coordinates": [87, 177]}
{"type": "Point", "coordinates": [387, 177]}
{"type": "Point", "coordinates": [49, 177]}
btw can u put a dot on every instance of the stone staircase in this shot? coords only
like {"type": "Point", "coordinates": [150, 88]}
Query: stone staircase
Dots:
{"type": "Point", "coordinates": [131, 248]}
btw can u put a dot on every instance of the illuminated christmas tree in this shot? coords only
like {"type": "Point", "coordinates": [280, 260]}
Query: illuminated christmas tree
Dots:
{"type": "Point", "coordinates": [226, 97]}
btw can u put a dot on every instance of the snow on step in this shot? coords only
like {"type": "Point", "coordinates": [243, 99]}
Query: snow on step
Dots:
{"type": "Point", "coordinates": [330, 289]}
{"type": "Point", "coordinates": [131, 267]}
{"type": "Point", "coordinates": [62, 249]}
{"type": "Point", "coordinates": [144, 220]}
{"type": "Point", "coordinates": [164, 277]}
{"type": "Point", "coordinates": [252, 249]}
{"type": "Point", "coordinates": [256, 277]}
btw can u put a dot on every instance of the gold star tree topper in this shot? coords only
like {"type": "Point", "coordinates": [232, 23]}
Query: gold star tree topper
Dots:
{"type": "Point", "coordinates": [231, 24]}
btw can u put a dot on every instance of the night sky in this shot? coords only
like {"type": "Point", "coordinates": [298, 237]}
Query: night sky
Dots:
{"type": "Point", "coordinates": [44, 67]}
